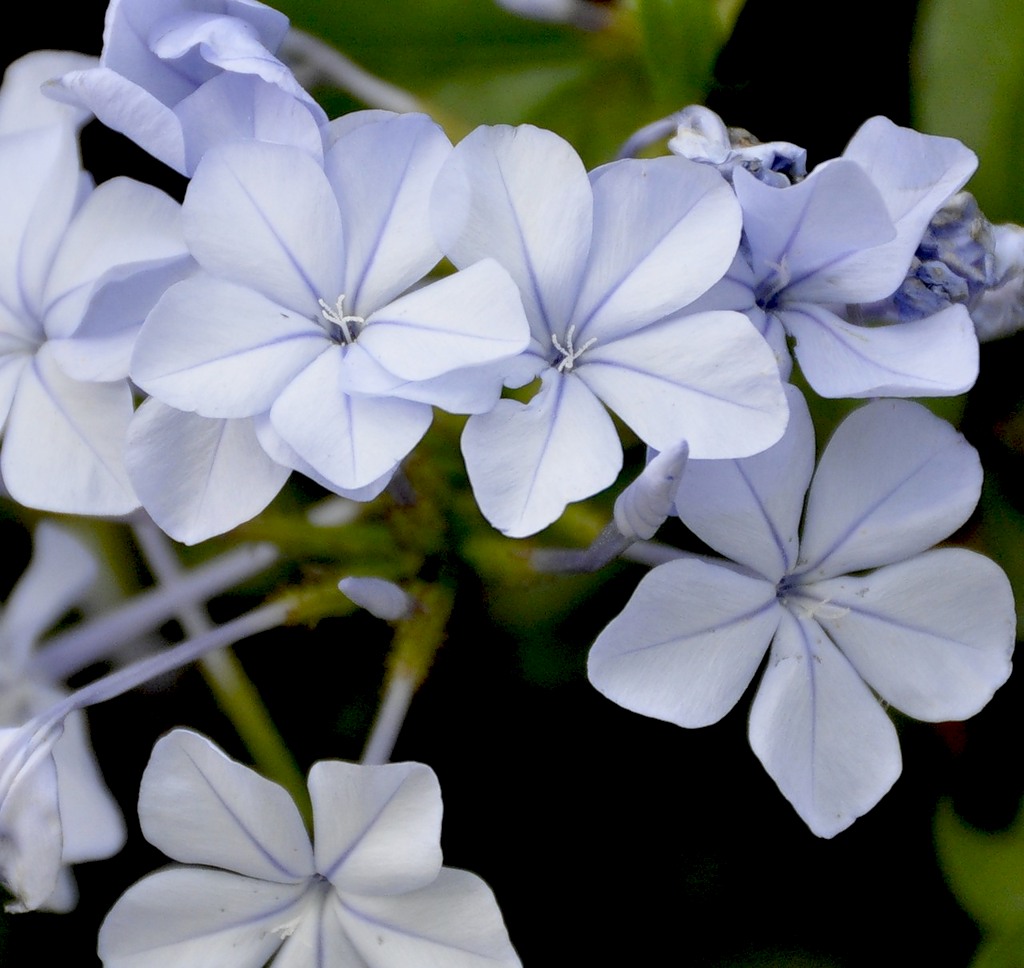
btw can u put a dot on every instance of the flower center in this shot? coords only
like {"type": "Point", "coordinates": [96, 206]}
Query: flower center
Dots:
{"type": "Point", "coordinates": [341, 327]}
{"type": "Point", "coordinates": [569, 353]}
{"type": "Point", "coordinates": [768, 291]}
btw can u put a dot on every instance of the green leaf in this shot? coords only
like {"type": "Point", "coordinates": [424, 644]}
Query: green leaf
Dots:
{"type": "Point", "coordinates": [968, 82]}
{"type": "Point", "coordinates": [984, 870]}
{"type": "Point", "coordinates": [681, 40]}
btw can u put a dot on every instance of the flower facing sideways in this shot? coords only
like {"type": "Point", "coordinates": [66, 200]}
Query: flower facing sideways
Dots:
{"type": "Point", "coordinates": [369, 893]}
{"type": "Point", "coordinates": [929, 632]}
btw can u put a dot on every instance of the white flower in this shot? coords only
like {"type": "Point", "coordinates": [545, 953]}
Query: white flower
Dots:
{"type": "Point", "coordinates": [931, 632]}
{"type": "Point", "coordinates": [370, 891]}
{"type": "Point", "coordinates": [54, 809]}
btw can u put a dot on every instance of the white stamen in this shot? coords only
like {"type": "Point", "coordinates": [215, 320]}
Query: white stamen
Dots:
{"type": "Point", "coordinates": [338, 317]}
{"type": "Point", "coordinates": [569, 354]}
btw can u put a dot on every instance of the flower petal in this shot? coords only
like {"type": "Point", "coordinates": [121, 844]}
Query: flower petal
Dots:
{"type": "Point", "coordinates": [222, 350]}
{"type": "Point", "coordinates": [197, 476]}
{"type": "Point", "coordinates": [527, 462]}
{"type": "Point", "coordinates": [377, 829]}
{"type": "Point", "coordinates": [198, 805]}
{"type": "Point", "coordinates": [665, 230]}
{"type": "Point", "coordinates": [455, 922]}
{"type": "Point", "coordinates": [820, 239]}
{"type": "Point", "coordinates": [351, 440]}
{"type": "Point", "coordinates": [687, 644]}
{"type": "Point", "coordinates": [195, 918]}
{"type": "Point", "coordinates": [63, 444]}
{"type": "Point", "coordinates": [932, 636]}
{"type": "Point", "coordinates": [932, 357]}
{"type": "Point", "coordinates": [915, 174]}
{"type": "Point", "coordinates": [708, 378]}
{"type": "Point", "coordinates": [23, 104]}
{"type": "Point", "coordinates": [382, 174]}
{"type": "Point", "coordinates": [893, 481]}
{"type": "Point", "coordinates": [521, 196]}
{"type": "Point", "coordinates": [264, 216]}
{"type": "Point", "coordinates": [471, 318]}
{"type": "Point", "coordinates": [749, 510]}
{"type": "Point", "coordinates": [818, 730]}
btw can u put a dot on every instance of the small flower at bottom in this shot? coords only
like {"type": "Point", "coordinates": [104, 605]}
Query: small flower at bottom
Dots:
{"type": "Point", "coordinates": [370, 892]}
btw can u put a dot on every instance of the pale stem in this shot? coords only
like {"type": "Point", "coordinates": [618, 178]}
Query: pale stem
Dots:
{"type": "Point", "coordinates": [125, 679]}
{"type": "Point", "coordinates": [390, 717]}
{"type": "Point", "coordinates": [310, 58]}
{"type": "Point", "coordinates": [233, 690]}
{"type": "Point", "coordinates": [69, 652]}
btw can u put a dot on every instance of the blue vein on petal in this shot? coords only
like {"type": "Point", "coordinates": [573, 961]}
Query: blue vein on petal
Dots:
{"type": "Point", "coordinates": [354, 842]}
{"type": "Point", "coordinates": [621, 281]}
{"type": "Point", "coordinates": [776, 537]}
{"type": "Point", "coordinates": [524, 248]}
{"type": "Point", "coordinates": [630, 368]}
{"type": "Point", "coordinates": [357, 287]}
{"type": "Point", "coordinates": [833, 331]}
{"type": "Point", "coordinates": [769, 604]}
{"type": "Point", "coordinates": [856, 523]}
{"type": "Point", "coordinates": [250, 836]}
{"type": "Point", "coordinates": [314, 290]}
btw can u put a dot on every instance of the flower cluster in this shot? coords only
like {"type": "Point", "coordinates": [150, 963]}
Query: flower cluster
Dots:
{"type": "Point", "coordinates": [324, 287]}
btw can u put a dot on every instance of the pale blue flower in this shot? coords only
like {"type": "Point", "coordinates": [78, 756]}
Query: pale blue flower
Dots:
{"type": "Point", "coordinates": [302, 312]}
{"type": "Point", "coordinates": [929, 632]}
{"type": "Point", "coordinates": [178, 77]}
{"type": "Point", "coordinates": [601, 263]}
{"type": "Point", "coordinates": [369, 890]}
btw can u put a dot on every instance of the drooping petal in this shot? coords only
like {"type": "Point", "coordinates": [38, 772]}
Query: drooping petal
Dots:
{"type": "Point", "coordinates": [932, 636]}
{"type": "Point", "coordinates": [454, 922]}
{"type": "Point", "coordinates": [709, 378]}
{"type": "Point", "coordinates": [222, 350]}
{"type": "Point", "coordinates": [688, 642]}
{"type": "Point", "coordinates": [521, 196]}
{"type": "Point", "coordinates": [351, 440]}
{"type": "Point", "coordinates": [819, 731]}
{"type": "Point", "coordinates": [814, 241]}
{"type": "Point", "coordinates": [61, 571]}
{"type": "Point", "coordinates": [893, 481]}
{"type": "Point", "coordinates": [932, 357]}
{"type": "Point", "coordinates": [62, 449]}
{"type": "Point", "coordinates": [123, 226]}
{"type": "Point", "coordinates": [915, 174]}
{"type": "Point", "coordinates": [124, 106]}
{"type": "Point", "coordinates": [382, 174]}
{"type": "Point", "coordinates": [665, 230]}
{"type": "Point", "coordinates": [197, 476]}
{"type": "Point", "coordinates": [264, 216]}
{"type": "Point", "coordinates": [471, 318]}
{"type": "Point", "coordinates": [197, 918]}
{"type": "Point", "coordinates": [197, 805]}
{"type": "Point", "coordinates": [749, 510]}
{"type": "Point", "coordinates": [377, 829]}
{"type": "Point", "coordinates": [526, 463]}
